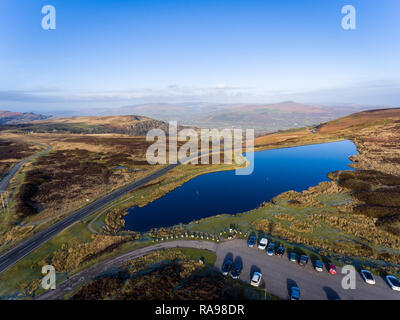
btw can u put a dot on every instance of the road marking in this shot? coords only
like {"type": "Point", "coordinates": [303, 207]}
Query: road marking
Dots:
{"type": "Point", "coordinates": [4, 261]}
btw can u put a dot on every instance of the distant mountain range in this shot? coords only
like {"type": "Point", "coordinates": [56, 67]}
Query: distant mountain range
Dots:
{"type": "Point", "coordinates": [8, 117]}
{"type": "Point", "coordinates": [262, 117]}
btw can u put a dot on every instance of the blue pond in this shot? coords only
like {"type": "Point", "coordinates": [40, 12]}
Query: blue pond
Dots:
{"type": "Point", "coordinates": [275, 171]}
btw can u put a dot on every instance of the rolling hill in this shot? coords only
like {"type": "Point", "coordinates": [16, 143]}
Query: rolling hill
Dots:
{"type": "Point", "coordinates": [360, 119]}
{"type": "Point", "coordinates": [8, 117]}
{"type": "Point", "coordinates": [130, 124]}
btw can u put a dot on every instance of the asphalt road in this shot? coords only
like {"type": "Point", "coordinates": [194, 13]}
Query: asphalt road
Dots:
{"type": "Point", "coordinates": [5, 181]}
{"type": "Point", "coordinates": [279, 274]}
{"type": "Point", "coordinates": [15, 254]}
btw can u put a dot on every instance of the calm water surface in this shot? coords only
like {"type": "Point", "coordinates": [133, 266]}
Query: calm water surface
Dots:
{"type": "Point", "coordinates": [275, 171]}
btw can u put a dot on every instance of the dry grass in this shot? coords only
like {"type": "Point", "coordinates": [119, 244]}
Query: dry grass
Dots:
{"type": "Point", "coordinates": [360, 119]}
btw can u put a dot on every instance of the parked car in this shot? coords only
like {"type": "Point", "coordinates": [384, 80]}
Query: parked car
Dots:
{"type": "Point", "coordinates": [271, 249]}
{"type": "Point", "coordinates": [252, 241]}
{"type": "Point", "coordinates": [368, 277]}
{"type": "Point", "coordinates": [226, 267]}
{"type": "Point", "coordinates": [237, 269]}
{"type": "Point", "coordinates": [263, 244]}
{"type": "Point", "coordinates": [280, 251]}
{"type": "Point", "coordinates": [293, 257]}
{"type": "Point", "coordinates": [294, 293]}
{"type": "Point", "coordinates": [332, 268]}
{"type": "Point", "coordinates": [319, 266]}
{"type": "Point", "coordinates": [256, 279]}
{"type": "Point", "coordinates": [303, 260]}
{"type": "Point", "coordinates": [393, 282]}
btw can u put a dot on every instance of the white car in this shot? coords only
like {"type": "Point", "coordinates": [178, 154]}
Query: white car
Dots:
{"type": "Point", "coordinates": [256, 279]}
{"type": "Point", "coordinates": [393, 282]}
{"type": "Point", "coordinates": [368, 277]}
{"type": "Point", "coordinates": [263, 244]}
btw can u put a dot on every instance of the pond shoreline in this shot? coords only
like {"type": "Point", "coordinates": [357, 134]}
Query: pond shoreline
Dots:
{"type": "Point", "coordinates": [232, 194]}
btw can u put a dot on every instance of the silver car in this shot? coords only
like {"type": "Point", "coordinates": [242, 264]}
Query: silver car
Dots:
{"type": "Point", "coordinates": [393, 282]}
{"type": "Point", "coordinates": [368, 277]}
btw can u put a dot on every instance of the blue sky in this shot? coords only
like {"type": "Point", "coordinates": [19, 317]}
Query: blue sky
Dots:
{"type": "Point", "coordinates": [114, 53]}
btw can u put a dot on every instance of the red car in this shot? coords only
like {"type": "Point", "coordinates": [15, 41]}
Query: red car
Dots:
{"type": "Point", "coordinates": [332, 268]}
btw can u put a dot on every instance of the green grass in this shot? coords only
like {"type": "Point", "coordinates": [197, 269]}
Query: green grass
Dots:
{"type": "Point", "coordinates": [196, 254]}
{"type": "Point", "coordinates": [30, 267]}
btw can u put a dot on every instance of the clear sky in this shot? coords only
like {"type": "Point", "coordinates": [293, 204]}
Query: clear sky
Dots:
{"type": "Point", "coordinates": [114, 53]}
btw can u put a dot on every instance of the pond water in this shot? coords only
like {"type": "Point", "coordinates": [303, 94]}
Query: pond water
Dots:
{"type": "Point", "coordinates": [275, 171]}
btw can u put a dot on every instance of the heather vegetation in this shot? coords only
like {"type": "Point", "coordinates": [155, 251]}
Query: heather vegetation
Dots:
{"type": "Point", "coordinates": [173, 274]}
{"type": "Point", "coordinates": [12, 152]}
{"type": "Point", "coordinates": [61, 176]}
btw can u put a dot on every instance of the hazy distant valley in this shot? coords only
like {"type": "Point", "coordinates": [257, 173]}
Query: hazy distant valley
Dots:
{"type": "Point", "coordinates": [262, 117]}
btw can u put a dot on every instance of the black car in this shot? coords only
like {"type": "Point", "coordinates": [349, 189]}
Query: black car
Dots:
{"type": "Point", "coordinates": [303, 260]}
{"type": "Point", "coordinates": [226, 267]}
{"type": "Point", "coordinates": [237, 269]}
{"type": "Point", "coordinates": [280, 251]}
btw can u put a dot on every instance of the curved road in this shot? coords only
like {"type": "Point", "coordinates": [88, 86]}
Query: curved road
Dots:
{"type": "Point", "coordinates": [5, 181]}
{"type": "Point", "coordinates": [18, 252]}
{"type": "Point", "coordinates": [95, 270]}
{"type": "Point", "coordinates": [278, 273]}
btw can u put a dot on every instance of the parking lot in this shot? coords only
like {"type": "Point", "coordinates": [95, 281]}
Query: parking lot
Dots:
{"type": "Point", "coordinates": [279, 275]}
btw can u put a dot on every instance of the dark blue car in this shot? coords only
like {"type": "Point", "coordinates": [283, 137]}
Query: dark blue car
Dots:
{"type": "Point", "coordinates": [237, 269]}
{"type": "Point", "coordinates": [227, 267]}
{"type": "Point", "coordinates": [252, 241]}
